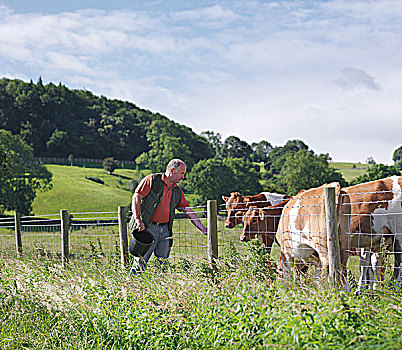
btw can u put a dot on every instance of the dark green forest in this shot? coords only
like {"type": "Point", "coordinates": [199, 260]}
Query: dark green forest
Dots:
{"type": "Point", "coordinates": [56, 121]}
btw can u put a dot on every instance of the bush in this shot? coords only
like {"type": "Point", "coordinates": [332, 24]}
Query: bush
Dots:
{"type": "Point", "coordinates": [133, 182]}
{"type": "Point", "coordinates": [398, 165]}
{"type": "Point", "coordinates": [110, 165]}
{"type": "Point", "coordinates": [376, 172]}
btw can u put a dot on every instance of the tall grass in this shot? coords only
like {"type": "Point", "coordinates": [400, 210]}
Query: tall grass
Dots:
{"type": "Point", "coordinates": [243, 304]}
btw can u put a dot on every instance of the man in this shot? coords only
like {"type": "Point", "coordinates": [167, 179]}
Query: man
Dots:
{"type": "Point", "coordinates": [154, 202]}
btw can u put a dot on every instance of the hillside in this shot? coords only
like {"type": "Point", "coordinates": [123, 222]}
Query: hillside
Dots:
{"type": "Point", "coordinates": [57, 122]}
{"type": "Point", "coordinates": [74, 192]}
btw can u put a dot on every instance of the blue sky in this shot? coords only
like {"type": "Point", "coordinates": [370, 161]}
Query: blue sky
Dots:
{"type": "Point", "coordinates": [326, 72]}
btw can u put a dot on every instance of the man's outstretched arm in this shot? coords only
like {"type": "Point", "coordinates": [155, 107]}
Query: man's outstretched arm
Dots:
{"type": "Point", "coordinates": [195, 220]}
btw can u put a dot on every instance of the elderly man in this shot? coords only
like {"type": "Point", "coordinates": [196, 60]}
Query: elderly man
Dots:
{"type": "Point", "coordinates": [154, 202]}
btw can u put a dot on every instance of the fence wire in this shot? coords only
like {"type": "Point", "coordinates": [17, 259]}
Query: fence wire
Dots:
{"type": "Point", "coordinates": [97, 234]}
{"type": "Point", "coordinates": [41, 234]}
{"type": "Point", "coordinates": [94, 233]}
{"type": "Point", "coordinates": [370, 220]}
{"type": "Point", "coordinates": [7, 235]}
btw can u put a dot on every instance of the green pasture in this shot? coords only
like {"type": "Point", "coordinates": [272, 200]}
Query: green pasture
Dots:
{"type": "Point", "coordinates": [73, 191]}
{"type": "Point", "coordinates": [350, 171]}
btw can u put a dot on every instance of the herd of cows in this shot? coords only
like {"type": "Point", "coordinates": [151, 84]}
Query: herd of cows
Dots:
{"type": "Point", "coordinates": [369, 218]}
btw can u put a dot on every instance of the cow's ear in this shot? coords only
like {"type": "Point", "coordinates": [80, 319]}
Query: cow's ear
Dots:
{"type": "Point", "coordinates": [262, 216]}
{"type": "Point", "coordinates": [225, 198]}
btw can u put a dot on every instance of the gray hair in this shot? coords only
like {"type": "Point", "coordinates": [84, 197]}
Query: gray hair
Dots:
{"type": "Point", "coordinates": [174, 164]}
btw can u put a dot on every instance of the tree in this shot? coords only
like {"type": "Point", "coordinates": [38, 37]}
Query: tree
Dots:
{"type": "Point", "coordinates": [261, 151]}
{"type": "Point", "coordinates": [110, 165]}
{"type": "Point", "coordinates": [56, 145]}
{"type": "Point", "coordinates": [210, 179]}
{"type": "Point", "coordinates": [370, 160]}
{"type": "Point", "coordinates": [304, 170]}
{"type": "Point", "coordinates": [397, 155]}
{"type": "Point", "coordinates": [233, 147]}
{"type": "Point", "coordinates": [3, 160]}
{"type": "Point", "coordinates": [20, 175]}
{"type": "Point", "coordinates": [277, 156]}
{"type": "Point", "coordinates": [214, 139]}
{"type": "Point", "coordinates": [162, 151]}
{"type": "Point", "coordinates": [168, 140]}
{"type": "Point", "coordinates": [376, 172]}
{"type": "Point", "coordinates": [398, 165]}
{"type": "Point", "coordinates": [246, 178]}
{"type": "Point", "coordinates": [70, 159]}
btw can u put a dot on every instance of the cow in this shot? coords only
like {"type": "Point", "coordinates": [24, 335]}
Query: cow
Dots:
{"type": "Point", "coordinates": [301, 231]}
{"type": "Point", "coordinates": [237, 203]}
{"type": "Point", "coordinates": [262, 223]}
{"type": "Point", "coordinates": [375, 218]}
{"type": "Point", "coordinates": [367, 214]}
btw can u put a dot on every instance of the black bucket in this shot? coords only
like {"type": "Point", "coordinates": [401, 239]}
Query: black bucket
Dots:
{"type": "Point", "coordinates": [140, 242]}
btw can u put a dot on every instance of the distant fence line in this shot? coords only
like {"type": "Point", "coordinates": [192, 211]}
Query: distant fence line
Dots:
{"type": "Point", "coordinates": [80, 160]}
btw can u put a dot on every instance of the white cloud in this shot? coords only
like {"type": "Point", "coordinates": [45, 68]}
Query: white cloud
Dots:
{"type": "Point", "coordinates": [353, 78]}
{"type": "Point", "coordinates": [259, 70]}
{"type": "Point", "coordinates": [206, 16]}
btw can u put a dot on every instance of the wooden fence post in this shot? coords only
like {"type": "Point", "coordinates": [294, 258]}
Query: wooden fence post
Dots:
{"type": "Point", "coordinates": [18, 239]}
{"type": "Point", "coordinates": [212, 218]}
{"type": "Point", "coordinates": [334, 256]}
{"type": "Point", "coordinates": [122, 214]}
{"type": "Point", "coordinates": [64, 236]}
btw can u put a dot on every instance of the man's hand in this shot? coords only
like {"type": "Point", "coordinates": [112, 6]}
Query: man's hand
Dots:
{"type": "Point", "coordinates": [140, 224]}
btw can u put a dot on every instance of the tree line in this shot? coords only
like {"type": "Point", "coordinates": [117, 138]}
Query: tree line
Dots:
{"type": "Point", "coordinates": [57, 122]}
{"type": "Point", "coordinates": [52, 120]}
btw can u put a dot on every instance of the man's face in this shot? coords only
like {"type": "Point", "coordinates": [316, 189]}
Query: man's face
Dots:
{"type": "Point", "coordinates": [179, 175]}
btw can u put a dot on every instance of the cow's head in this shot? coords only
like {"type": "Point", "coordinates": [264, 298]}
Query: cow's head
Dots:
{"type": "Point", "coordinates": [251, 224]}
{"type": "Point", "coordinates": [256, 223]}
{"type": "Point", "coordinates": [262, 223]}
{"type": "Point", "coordinates": [234, 206]}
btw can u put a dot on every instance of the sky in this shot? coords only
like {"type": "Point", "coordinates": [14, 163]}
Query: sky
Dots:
{"type": "Point", "coordinates": [328, 73]}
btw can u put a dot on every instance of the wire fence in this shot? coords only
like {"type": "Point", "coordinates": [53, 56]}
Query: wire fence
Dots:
{"type": "Point", "coordinates": [368, 224]}
{"type": "Point", "coordinates": [97, 233]}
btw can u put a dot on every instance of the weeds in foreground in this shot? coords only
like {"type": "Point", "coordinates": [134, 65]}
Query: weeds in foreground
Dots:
{"type": "Point", "coordinates": [240, 303]}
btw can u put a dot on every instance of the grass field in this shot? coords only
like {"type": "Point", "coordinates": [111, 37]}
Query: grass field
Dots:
{"type": "Point", "coordinates": [350, 170]}
{"type": "Point", "coordinates": [243, 304]}
{"type": "Point", "coordinates": [74, 192]}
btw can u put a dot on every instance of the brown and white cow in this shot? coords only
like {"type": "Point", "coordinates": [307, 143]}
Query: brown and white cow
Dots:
{"type": "Point", "coordinates": [262, 223]}
{"type": "Point", "coordinates": [236, 205]}
{"type": "Point", "coordinates": [367, 213]}
{"type": "Point", "coordinates": [302, 229]}
{"type": "Point", "coordinates": [375, 217]}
